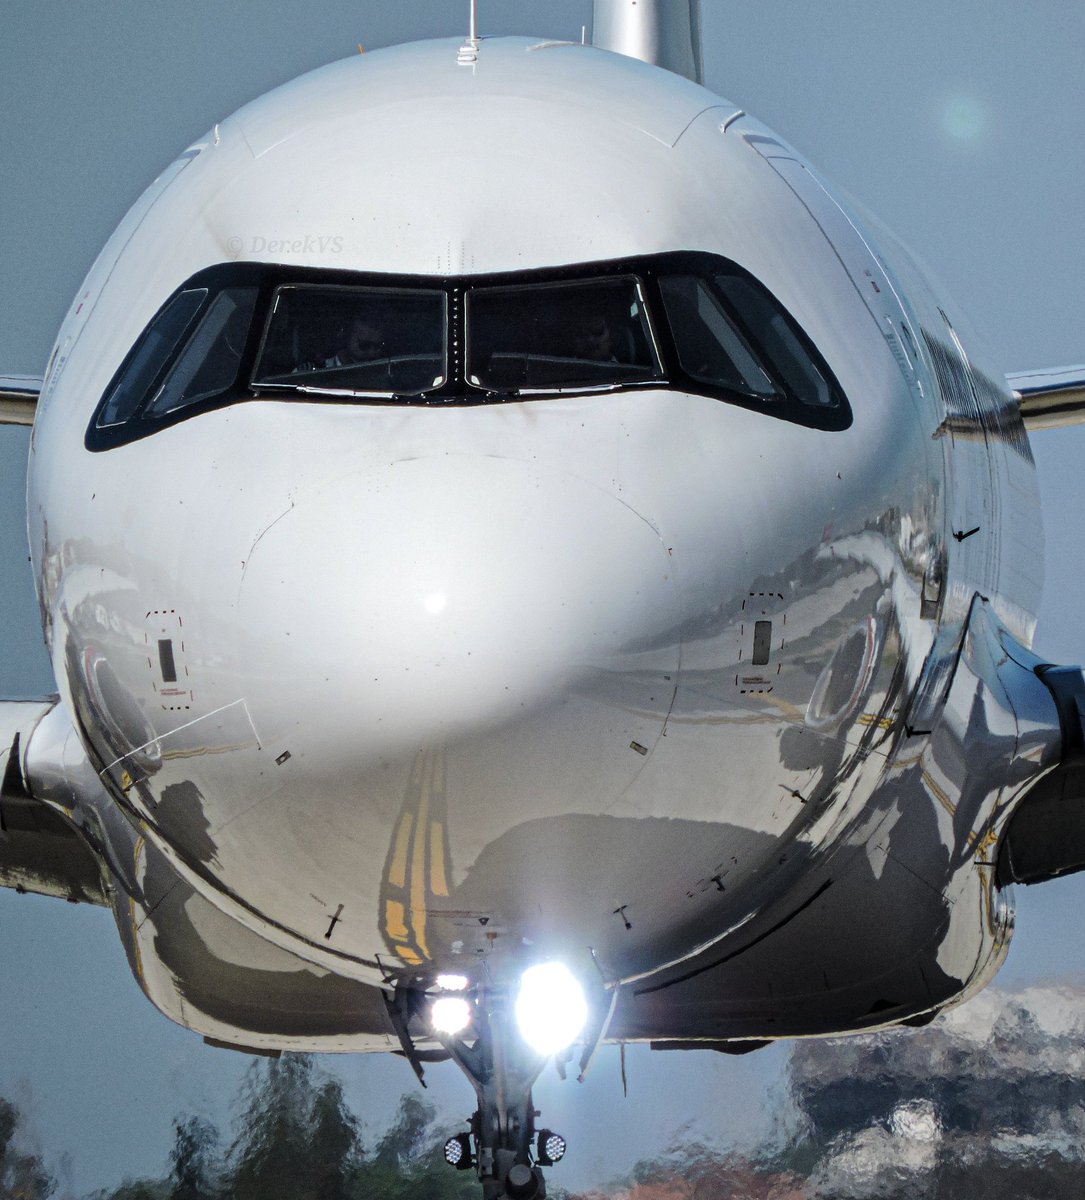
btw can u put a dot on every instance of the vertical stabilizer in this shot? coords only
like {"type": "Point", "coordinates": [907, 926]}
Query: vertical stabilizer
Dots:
{"type": "Point", "coordinates": [664, 32]}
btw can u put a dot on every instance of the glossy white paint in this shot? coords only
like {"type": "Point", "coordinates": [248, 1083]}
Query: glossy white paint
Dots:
{"type": "Point", "coordinates": [466, 687]}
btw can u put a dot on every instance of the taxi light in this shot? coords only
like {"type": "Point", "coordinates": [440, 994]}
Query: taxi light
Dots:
{"type": "Point", "coordinates": [550, 1148]}
{"type": "Point", "coordinates": [458, 1152]}
{"type": "Point", "coordinates": [450, 1014]}
{"type": "Point", "coordinates": [452, 983]}
{"type": "Point", "coordinates": [550, 1008]}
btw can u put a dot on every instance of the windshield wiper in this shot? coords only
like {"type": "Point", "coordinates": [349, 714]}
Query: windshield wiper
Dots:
{"type": "Point", "coordinates": [309, 390]}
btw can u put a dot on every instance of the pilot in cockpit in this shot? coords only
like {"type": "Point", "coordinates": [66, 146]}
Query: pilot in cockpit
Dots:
{"type": "Point", "coordinates": [592, 338]}
{"type": "Point", "coordinates": [361, 340]}
{"type": "Point", "coordinates": [599, 334]}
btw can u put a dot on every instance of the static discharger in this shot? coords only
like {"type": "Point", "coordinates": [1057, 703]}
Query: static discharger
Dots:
{"type": "Point", "coordinates": [334, 921]}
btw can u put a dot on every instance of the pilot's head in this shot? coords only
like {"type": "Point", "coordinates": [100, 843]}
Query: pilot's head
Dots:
{"type": "Point", "coordinates": [592, 338]}
{"type": "Point", "coordinates": [363, 339]}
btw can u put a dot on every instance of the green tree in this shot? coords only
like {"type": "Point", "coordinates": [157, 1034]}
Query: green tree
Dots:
{"type": "Point", "coordinates": [137, 1189]}
{"type": "Point", "coordinates": [270, 1156]}
{"type": "Point", "coordinates": [22, 1176]}
{"type": "Point", "coordinates": [409, 1164]}
{"type": "Point", "coordinates": [404, 1142]}
{"type": "Point", "coordinates": [194, 1167]}
{"type": "Point", "coordinates": [335, 1144]}
{"type": "Point", "coordinates": [296, 1138]}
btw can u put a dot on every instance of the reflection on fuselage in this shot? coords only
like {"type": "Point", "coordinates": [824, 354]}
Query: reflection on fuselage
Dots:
{"type": "Point", "coordinates": [567, 598]}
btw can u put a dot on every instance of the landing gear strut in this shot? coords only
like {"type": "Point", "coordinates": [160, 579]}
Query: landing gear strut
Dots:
{"type": "Point", "coordinates": [501, 1048]}
{"type": "Point", "coordinates": [502, 1069]}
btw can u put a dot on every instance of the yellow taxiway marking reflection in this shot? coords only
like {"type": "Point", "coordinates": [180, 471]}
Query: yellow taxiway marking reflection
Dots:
{"type": "Point", "coordinates": [417, 868]}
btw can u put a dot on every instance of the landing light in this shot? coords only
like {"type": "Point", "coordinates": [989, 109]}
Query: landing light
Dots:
{"type": "Point", "coordinates": [550, 1009]}
{"type": "Point", "coordinates": [450, 1014]}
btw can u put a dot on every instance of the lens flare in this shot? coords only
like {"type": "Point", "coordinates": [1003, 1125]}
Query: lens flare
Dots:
{"type": "Point", "coordinates": [964, 118]}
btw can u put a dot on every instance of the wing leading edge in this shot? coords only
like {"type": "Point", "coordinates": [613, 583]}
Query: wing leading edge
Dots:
{"type": "Point", "coordinates": [40, 849]}
{"type": "Point", "coordinates": [18, 399]}
{"type": "Point", "coordinates": [1050, 397]}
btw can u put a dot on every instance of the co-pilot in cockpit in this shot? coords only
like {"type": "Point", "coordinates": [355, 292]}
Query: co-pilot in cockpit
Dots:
{"type": "Point", "coordinates": [686, 322]}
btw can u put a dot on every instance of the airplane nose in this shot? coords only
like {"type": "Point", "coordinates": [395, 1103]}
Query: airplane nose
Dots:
{"type": "Point", "coordinates": [442, 594]}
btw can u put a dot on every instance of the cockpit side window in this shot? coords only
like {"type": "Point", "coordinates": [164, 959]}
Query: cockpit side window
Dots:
{"type": "Point", "coordinates": [773, 331]}
{"type": "Point", "coordinates": [150, 358]}
{"type": "Point", "coordinates": [354, 341]}
{"type": "Point", "coordinates": [710, 346]}
{"type": "Point", "coordinates": [554, 336]}
{"type": "Point", "coordinates": [209, 363]}
{"type": "Point", "coordinates": [730, 333]}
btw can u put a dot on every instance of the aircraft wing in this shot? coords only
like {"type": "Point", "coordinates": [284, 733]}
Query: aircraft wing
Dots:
{"type": "Point", "coordinates": [40, 849]}
{"type": "Point", "coordinates": [18, 399]}
{"type": "Point", "coordinates": [1050, 397]}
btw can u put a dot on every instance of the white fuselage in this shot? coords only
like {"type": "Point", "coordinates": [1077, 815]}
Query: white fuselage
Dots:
{"type": "Point", "coordinates": [455, 683]}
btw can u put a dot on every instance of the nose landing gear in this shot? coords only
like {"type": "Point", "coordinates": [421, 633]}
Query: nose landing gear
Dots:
{"type": "Point", "coordinates": [502, 1057]}
{"type": "Point", "coordinates": [502, 1068]}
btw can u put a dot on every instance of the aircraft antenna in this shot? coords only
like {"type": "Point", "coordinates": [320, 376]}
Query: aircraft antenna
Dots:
{"type": "Point", "coordinates": [468, 53]}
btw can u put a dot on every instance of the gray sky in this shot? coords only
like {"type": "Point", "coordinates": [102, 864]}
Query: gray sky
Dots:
{"type": "Point", "coordinates": [960, 125]}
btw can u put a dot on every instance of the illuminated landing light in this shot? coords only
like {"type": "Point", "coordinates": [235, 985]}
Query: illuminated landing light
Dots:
{"type": "Point", "coordinates": [452, 983]}
{"type": "Point", "coordinates": [435, 603]}
{"type": "Point", "coordinates": [450, 1014]}
{"type": "Point", "coordinates": [550, 1009]}
{"type": "Point", "coordinates": [550, 1148]}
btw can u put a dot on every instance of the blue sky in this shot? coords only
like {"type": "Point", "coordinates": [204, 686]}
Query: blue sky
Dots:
{"type": "Point", "coordinates": [959, 125]}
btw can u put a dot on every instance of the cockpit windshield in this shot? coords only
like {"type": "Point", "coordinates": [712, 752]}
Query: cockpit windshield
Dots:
{"type": "Point", "coordinates": [550, 336]}
{"type": "Point", "coordinates": [681, 321]}
{"type": "Point", "coordinates": [354, 341]}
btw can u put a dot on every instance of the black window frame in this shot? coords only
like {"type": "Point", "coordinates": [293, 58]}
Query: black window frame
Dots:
{"type": "Point", "coordinates": [456, 391]}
